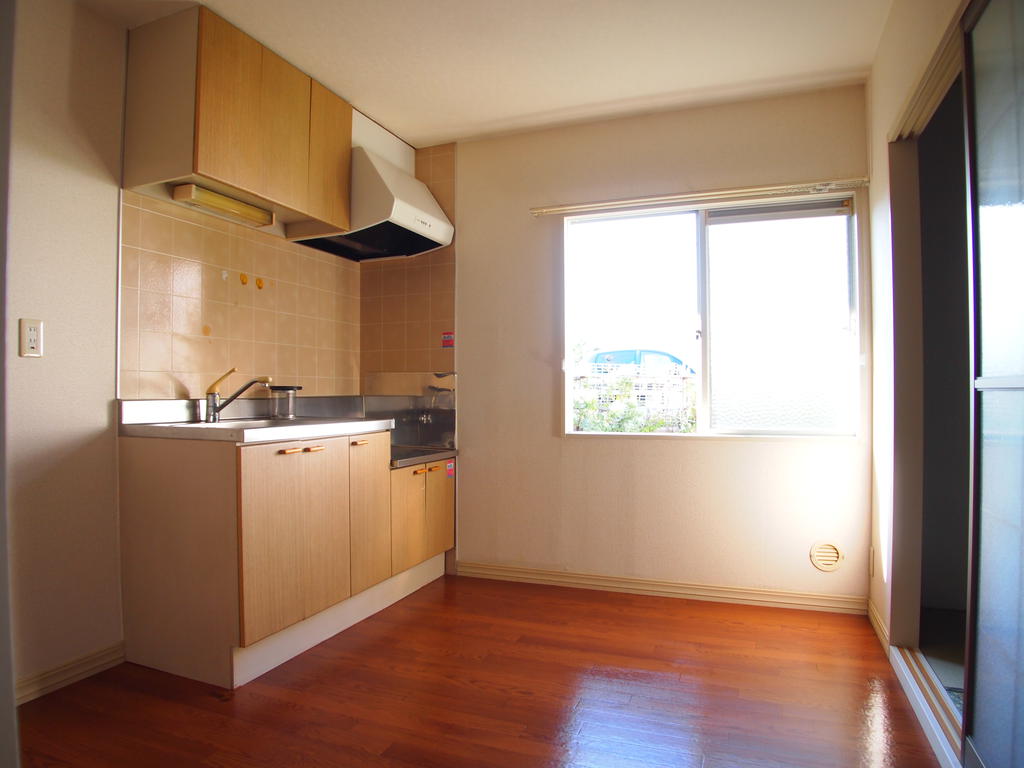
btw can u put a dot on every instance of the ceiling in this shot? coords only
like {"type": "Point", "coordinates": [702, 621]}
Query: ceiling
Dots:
{"type": "Point", "coordinates": [445, 70]}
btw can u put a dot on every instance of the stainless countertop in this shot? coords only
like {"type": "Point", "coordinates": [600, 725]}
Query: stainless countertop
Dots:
{"type": "Point", "coordinates": [258, 430]}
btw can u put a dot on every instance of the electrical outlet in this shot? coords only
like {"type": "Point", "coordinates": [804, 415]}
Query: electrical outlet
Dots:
{"type": "Point", "coordinates": [30, 342]}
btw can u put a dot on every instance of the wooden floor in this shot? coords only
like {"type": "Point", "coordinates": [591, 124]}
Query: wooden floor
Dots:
{"type": "Point", "coordinates": [469, 672]}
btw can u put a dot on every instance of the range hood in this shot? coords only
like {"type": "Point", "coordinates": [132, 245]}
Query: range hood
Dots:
{"type": "Point", "coordinates": [393, 214]}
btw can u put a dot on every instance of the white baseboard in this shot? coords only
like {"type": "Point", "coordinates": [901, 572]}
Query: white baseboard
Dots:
{"type": "Point", "coordinates": [252, 661]}
{"type": "Point", "coordinates": [33, 687]}
{"type": "Point", "coordinates": [880, 627]}
{"type": "Point", "coordinates": [929, 723]}
{"type": "Point", "coordinates": [776, 598]}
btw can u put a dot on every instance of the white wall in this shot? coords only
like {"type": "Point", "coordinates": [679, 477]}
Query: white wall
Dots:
{"type": "Point", "coordinates": [739, 512]}
{"type": "Point", "coordinates": [62, 268]}
{"type": "Point", "coordinates": [911, 37]}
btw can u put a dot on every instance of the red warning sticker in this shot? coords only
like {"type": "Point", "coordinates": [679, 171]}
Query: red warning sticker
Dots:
{"type": "Point", "coordinates": [448, 339]}
{"type": "Point", "coordinates": [450, 467]}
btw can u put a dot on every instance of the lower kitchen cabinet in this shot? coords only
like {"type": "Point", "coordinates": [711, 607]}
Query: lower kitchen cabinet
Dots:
{"type": "Point", "coordinates": [224, 544]}
{"type": "Point", "coordinates": [293, 522]}
{"type": "Point", "coordinates": [422, 512]}
{"type": "Point", "coordinates": [370, 457]}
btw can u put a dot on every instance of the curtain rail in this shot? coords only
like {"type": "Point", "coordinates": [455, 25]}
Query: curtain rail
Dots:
{"type": "Point", "coordinates": [707, 198]}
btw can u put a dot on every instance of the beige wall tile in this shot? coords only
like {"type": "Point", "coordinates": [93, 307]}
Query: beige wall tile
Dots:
{"type": "Point", "coordinates": [130, 309]}
{"type": "Point", "coordinates": [442, 278]}
{"type": "Point", "coordinates": [128, 385]}
{"type": "Point", "coordinates": [155, 386]}
{"type": "Point", "coordinates": [186, 315]}
{"type": "Point", "coordinates": [264, 297]}
{"type": "Point", "coordinates": [240, 254]}
{"type": "Point", "coordinates": [307, 271]}
{"type": "Point", "coordinates": [154, 351]}
{"type": "Point", "coordinates": [129, 354]}
{"type": "Point", "coordinates": [287, 266]}
{"type": "Point", "coordinates": [393, 336]}
{"type": "Point", "coordinates": [305, 328]}
{"type": "Point", "coordinates": [322, 362]}
{"type": "Point", "coordinates": [156, 232]}
{"type": "Point", "coordinates": [264, 326]}
{"type": "Point", "coordinates": [417, 280]}
{"type": "Point", "coordinates": [369, 281]}
{"type": "Point", "coordinates": [370, 310]}
{"type": "Point", "coordinates": [188, 240]}
{"type": "Point", "coordinates": [307, 301]}
{"type": "Point", "coordinates": [186, 278]}
{"type": "Point", "coordinates": [215, 283]}
{"type": "Point", "coordinates": [129, 267]}
{"type": "Point", "coordinates": [326, 305]}
{"type": "Point", "coordinates": [370, 338]}
{"type": "Point", "coordinates": [442, 306]}
{"type": "Point", "coordinates": [155, 272]}
{"type": "Point", "coordinates": [287, 364]}
{"type": "Point", "coordinates": [393, 309]}
{"type": "Point", "coordinates": [442, 360]}
{"type": "Point", "coordinates": [417, 335]}
{"type": "Point", "coordinates": [216, 248]}
{"type": "Point", "coordinates": [417, 308]}
{"type": "Point", "coordinates": [264, 359]}
{"type": "Point", "coordinates": [130, 225]}
{"type": "Point", "coordinates": [187, 353]}
{"type": "Point", "coordinates": [154, 311]}
{"type": "Point", "coordinates": [287, 329]}
{"type": "Point", "coordinates": [242, 355]}
{"type": "Point", "coordinates": [306, 360]}
{"type": "Point", "coordinates": [392, 282]}
{"type": "Point", "coordinates": [216, 320]}
{"type": "Point", "coordinates": [241, 324]}
{"type": "Point", "coordinates": [393, 360]}
{"type": "Point", "coordinates": [370, 361]}
{"type": "Point", "coordinates": [264, 261]}
{"type": "Point", "coordinates": [417, 360]}
{"type": "Point", "coordinates": [326, 335]}
{"type": "Point", "coordinates": [241, 288]}
{"type": "Point", "coordinates": [287, 297]}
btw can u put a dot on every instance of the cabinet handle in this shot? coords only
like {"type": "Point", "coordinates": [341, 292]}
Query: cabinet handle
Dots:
{"type": "Point", "coordinates": [289, 451]}
{"type": "Point", "coordinates": [360, 442]}
{"type": "Point", "coordinates": [434, 469]}
{"type": "Point", "coordinates": [315, 449]}
{"type": "Point", "coordinates": [419, 471]}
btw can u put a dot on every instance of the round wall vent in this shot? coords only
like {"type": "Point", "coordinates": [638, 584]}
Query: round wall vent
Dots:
{"type": "Point", "coordinates": [826, 556]}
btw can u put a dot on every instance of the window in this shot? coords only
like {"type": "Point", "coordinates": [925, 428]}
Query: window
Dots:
{"type": "Point", "coordinates": [729, 320]}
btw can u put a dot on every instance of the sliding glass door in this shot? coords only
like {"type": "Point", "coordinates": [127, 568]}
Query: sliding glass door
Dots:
{"type": "Point", "coordinates": [995, 727]}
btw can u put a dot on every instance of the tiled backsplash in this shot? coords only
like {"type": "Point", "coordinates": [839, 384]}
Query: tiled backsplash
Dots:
{"type": "Point", "coordinates": [200, 295]}
{"type": "Point", "coordinates": [407, 304]}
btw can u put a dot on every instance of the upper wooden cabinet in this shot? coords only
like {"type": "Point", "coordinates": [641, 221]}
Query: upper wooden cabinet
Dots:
{"type": "Point", "coordinates": [330, 157]}
{"type": "Point", "coordinates": [207, 104]}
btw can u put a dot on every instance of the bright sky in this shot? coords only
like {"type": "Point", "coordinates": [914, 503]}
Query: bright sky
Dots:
{"type": "Point", "coordinates": [612, 300]}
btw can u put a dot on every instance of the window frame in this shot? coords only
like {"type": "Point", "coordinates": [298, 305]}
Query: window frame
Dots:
{"type": "Point", "coordinates": [806, 205]}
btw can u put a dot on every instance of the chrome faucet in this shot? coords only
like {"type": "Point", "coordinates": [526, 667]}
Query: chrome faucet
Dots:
{"type": "Point", "coordinates": [213, 402]}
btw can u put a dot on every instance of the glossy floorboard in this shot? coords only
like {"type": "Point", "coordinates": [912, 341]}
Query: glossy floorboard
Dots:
{"type": "Point", "coordinates": [469, 672]}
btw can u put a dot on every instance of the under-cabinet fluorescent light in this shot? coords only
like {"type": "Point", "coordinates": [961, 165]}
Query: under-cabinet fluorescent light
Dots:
{"type": "Point", "coordinates": [222, 205]}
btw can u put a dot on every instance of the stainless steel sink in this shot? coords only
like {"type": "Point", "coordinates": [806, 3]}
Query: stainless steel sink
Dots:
{"type": "Point", "coordinates": [258, 430]}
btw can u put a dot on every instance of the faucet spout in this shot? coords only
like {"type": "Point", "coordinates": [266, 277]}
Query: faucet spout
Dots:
{"type": "Point", "coordinates": [214, 405]}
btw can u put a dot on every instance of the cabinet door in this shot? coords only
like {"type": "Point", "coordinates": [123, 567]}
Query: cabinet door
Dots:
{"type": "Point", "coordinates": [228, 77]}
{"type": "Point", "coordinates": [271, 538]}
{"type": "Point", "coordinates": [408, 517]}
{"type": "Point", "coordinates": [324, 502]}
{"type": "Point", "coordinates": [330, 154]}
{"type": "Point", "coordinates": [283, 132]}
{"type": "Point", "coordinates": [440, 507]}
{"type": "Point", "coordinates": [370, 496]}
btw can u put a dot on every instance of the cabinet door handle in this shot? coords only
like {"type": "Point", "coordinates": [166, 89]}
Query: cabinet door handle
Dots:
{"type": "Point", "coordinates": [360, 442]}
{"type": "Point", "coordinates": [419, 471]}
{"type": "Point", "coordinates": [315, 449]}
{"type": "Point", "coordinates": [433, 469]}
{"type": "Point", "coordinates": [289, 451]}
